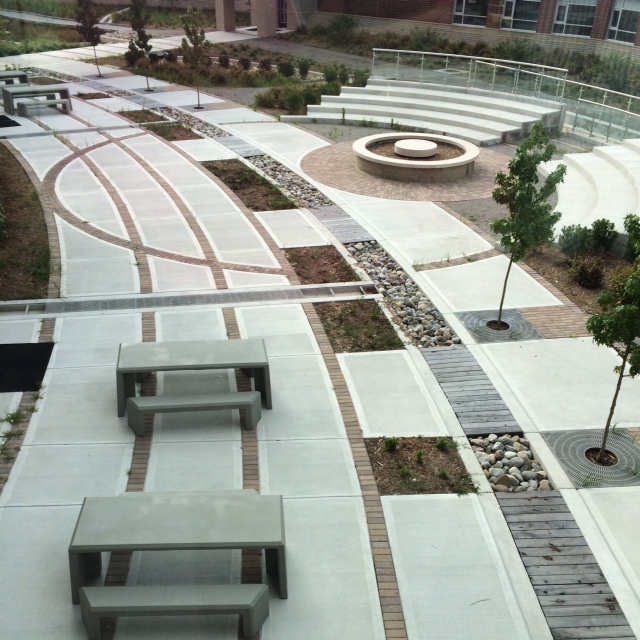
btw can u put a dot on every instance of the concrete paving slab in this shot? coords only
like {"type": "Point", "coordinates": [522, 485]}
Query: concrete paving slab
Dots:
{"type": "Point", "coordinates": [190, 324]}
{"type": "Point", "coordinates": [445, 555]}
{"type": "Point", "coordinates": [93, 341]}
{"type": "Point", "coordinates": [184, 99]}
{"type": "Point", "coordinates": [89, 392]}
{"type": "Point", "coordinates": [284, 328]}
{"type": "Point", "coordinates": [94, 267]}
{"type": "Point", "coordinates": [15, 331]}
{"type": "Point", "coordinates": [304, 403]}
{"type": "Point", "coordinates": [246, 279]}
{"type": "Point", "coordinates": [41, 152]}
{"type": "Point", "coordinates": [563, 384]}
{"type": "Point", "coordinates": [34, 594]}
{"type": "Point", "coordinates": [478, 285]}
{"type": "Point", "coordinates": [335, 598]}
{"type": "Point", "coordinates": [130, 130]}
{"type": "Point", "coordinates": [389, 395]}
{"type": "Point", "coordinates": [83, 195]}
{"type": "Point", "coordinates": [115, 105]}
{"type": "Point", "coordinates": [195, 466]}
{"type": "Point", "coordinates": [84, 140]}
{"type": "Point", "coordinates": [64, 475]}
{"type": "Point", "coordinates": [133, 83]}
{"type": "Point", "coordinates": [169, 275]}
{"type": "Point", "coordinates": [27, 127]}
{"type": "Point", "coordinates": [292, 228]}
{"type": "Point", "coordinates": [95, 117]}
{"type": "Point", "coordinates": [609, 520]}
{"type": "Point", "coordinates": [55, 120]}
{"type": "Point", "coordinates": [225, 116]}
{"type": "Point", "coordinates": [285, 142]}
{"type": "Point", "coordinates": [205, 150]}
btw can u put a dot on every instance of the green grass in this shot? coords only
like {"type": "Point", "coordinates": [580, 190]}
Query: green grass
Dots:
{"type": "Point", "coordinates": [17, 38]}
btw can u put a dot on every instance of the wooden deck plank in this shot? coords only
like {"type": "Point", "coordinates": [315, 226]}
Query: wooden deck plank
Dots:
{"type": "Point", "coordinates": [575, 580]}
{"type": "Point", "coordinates": [593, 633]}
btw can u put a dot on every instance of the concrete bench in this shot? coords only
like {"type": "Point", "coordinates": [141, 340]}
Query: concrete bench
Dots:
{"type": "Point", "coordinates": [23, 107]}
{"type": "Point", "coordinates": [250, 601]}
{"type": "Point", "coordinates": [137, 408]}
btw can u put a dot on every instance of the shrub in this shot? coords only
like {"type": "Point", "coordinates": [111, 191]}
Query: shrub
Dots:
{"type": "Point", "coordinates": [286, 69]}
{"type": "Point", "coordinates": [360, 78]}
{"type": "Point", "coordinates": [265, 64]}
{"type": "Point", "coordinates": [171, 56]}
{"type": "Point", "coordinates": [223, 60]}
{"type": "Point", "coordinates": [244, 63]}
{"type": "Point", "coordinates": [391, 444]}
{"type": "Point", "coordinates": [331, 89]}
{"type": "Point", "coordinates": [587, 271]}
{"type": "Point", "coordinates": [269, 99]}
{"type": "Point", "coordinates": [303, 68]}
{"type": "Point", "coordinates": [341, 27]}
{"type": "Point", "coordinates": [574, 240]}
{"type": "Point", "coordinates": [632, 227]}
{"type": "Point", "coordinates": [419, 456]}
{"type": "Point", "coordinates": [330, 74]}
{"type": "Point", "coordinates": [445, 444]}
{"type": "Point", "coordinates": [405, 472]}
{"type": "Point", "coordinates": [311, 94]}
{"type": "Point", "coordinates": [343, 75]}
{"type": "Point", "coordinates": [293, 100]}
{"type": "Point", "coordinates": [603, 235]}
{"type": "Point", "coordinates": [617, 280]}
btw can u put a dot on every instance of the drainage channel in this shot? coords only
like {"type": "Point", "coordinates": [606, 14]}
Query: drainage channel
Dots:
{"type": "Point", "coordinates": [304, 293]}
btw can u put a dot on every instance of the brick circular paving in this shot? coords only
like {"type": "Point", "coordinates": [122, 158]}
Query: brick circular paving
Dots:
{"type": "Point", "coordinates": [335, 166]}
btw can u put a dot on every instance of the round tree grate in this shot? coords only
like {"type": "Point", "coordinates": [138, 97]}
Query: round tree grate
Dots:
{"type": "Point", "coordinates": [519, 327]}
{"type": "Point", "coordinates": [570, 446]}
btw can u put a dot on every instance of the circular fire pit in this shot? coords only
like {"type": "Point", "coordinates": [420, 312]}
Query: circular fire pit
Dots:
{"type": "Point", "coordinates": [420, 163]}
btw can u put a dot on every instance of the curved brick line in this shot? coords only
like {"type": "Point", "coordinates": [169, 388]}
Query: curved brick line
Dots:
{"type": "Point", "coordinates": [388, 592]}
{"type": "Point", "coordinates": [195, 227]}
{"type": "Point", "coordinates": [55, 256]}
{"type": "Point", "coordinates": [286, 268]}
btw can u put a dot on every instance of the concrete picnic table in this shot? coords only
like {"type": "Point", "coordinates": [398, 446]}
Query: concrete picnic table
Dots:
{"type": "Point", "coordinates": [12, 91]}
{"type": "Point", "coordinates": [14, 77]}
{"type": "Point", "coordinates": [137, 358]}
{"type": "Point", "coordinates": [176, 521]}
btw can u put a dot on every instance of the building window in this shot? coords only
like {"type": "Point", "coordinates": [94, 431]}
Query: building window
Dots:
{"type": "Point", "coordinates": [521, 15]}
{"type": "Point", "coordinates": [575, 17]}
{"type": "Point", "coordinates": [624, 21]}
{"type": "Point", "coordinates": [473, 12]}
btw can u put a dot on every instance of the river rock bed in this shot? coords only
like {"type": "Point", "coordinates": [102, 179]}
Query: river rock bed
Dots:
{"type": "Point", "coordinates": [420, 321]}
{"type": "Point", "coordinates": [191, 122]}
{"type": "Point", "coordinates": [509, 464]}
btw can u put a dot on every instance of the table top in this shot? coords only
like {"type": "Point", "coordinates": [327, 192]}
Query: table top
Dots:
{"type": "Point", "coordinates": [194, 354]}
{"type": "Point", "coordinates": [35, 88]}
{"type": "Point", "coordinates": [180, 520]}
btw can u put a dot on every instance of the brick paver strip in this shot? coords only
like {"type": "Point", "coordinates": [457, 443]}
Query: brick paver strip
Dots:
{"type": "Point", "coordinates": [120, 561]}
{"type": "Point", "coordinates": [392, 615]}
{"type": "Point", "coordinates": [26, 407]}
{"type": "Point", "coordinates": [335, 166]}
{"type": "Point", "coordinates": [557, 321]}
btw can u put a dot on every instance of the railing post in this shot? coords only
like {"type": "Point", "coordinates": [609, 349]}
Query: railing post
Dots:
{"type": "Point", "coordinates": [493, 79]}
{"type": "Point", "coordinates": [627, 117]}
{"type": "Point", "coordinates": [609, 127]}
{"type": "Point", "coordinates": [373, 64]}
{"type": "Point", "coordinates": [515, 81]}
{"type": "Point", "coordinates": [575, 120]}
{"type": "Point", "coordinates": [564, 84]}
{"type": "Point", "coordinates": [446, 70]}
{"type": "Point", "coordinates": [469, 78]}
{"type": "Point", "coordinates": [421, 66]}
{"type": "Point", "coordinates": [398, 66]}
{"type": "Point", "coordinates": [475, 72]}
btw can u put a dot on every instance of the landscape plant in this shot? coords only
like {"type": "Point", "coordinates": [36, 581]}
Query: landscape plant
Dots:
{"type": "Point", "coordinates": [632, 227]}
{"type": "Point", "coordinates": [618, 327]}
{"type": "Point", "coordinates": [87, 18]}
{"type": "Point", "coordinates": [531, 217]}
{"type": "Point", "coordinates": [194, 45]}
{"type": "Point", "coordinates": [139, 46]}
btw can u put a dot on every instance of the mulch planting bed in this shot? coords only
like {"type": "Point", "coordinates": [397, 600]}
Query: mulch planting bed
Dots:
{"type": "Point", "coordinates": [418, 465]}
{"type": "Point", "coordinates": [444, 152]}
{"type": "Point", "coordinates": [257, 193]}
{"type": "Point", "coordinates": [92, 96]}
{"type": "Point", "coordinates": [141, 116]}
{"type": "Point", "coordinates": [172, 132]}
{"type": "Point", "coordinates": [320, 265]}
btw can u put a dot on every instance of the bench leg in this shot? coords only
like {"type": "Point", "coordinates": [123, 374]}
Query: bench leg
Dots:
{"type": "Point", "coordinates": [135, 418]}
{"type": "Point", "coordinates": [90, 620]}
{"type": "Point", "coordinates": [253, 619]}
{"type": "Point", "coordinates": [253, 413]}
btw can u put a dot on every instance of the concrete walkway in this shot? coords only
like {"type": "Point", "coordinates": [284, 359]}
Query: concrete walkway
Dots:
{"type": "Point", "coordinates": [135, 216]}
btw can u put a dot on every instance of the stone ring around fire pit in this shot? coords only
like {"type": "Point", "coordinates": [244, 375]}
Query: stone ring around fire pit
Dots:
{"type": "Point", "coordinates": [412, 169]}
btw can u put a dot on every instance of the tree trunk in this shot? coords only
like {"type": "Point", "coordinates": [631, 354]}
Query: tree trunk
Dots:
{"type": "Point", "coordinates": [198, 92]}
{"type": "Point", "coordinates": [613, 404]}
{"type": "Point", "coordinates": [95, 55]}
{"type": "Point", "coordinates": [148, 87]}
{"type": "Point", "coordinates": [504, 292]}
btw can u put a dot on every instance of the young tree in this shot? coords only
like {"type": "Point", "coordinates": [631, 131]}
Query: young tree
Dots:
{"type": "Point", "coordinates": [194, 44]}
{"type": "Point", "coordinates": [618, 326]}
{"type": "Point", "coordinates": [139, 47]}
{"type": "Point", "coordinates": [87, 17]}
{"type": "Point", "coordinates": [531, 218]}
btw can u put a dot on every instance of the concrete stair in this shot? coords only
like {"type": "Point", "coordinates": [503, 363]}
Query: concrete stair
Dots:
{"type": "Point", "coordinates": [604, 183]}
{"type": "Point", "coordinates": [479, 116]}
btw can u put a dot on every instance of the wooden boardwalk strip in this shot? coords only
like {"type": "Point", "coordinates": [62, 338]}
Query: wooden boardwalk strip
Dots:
{"type": "Point", "coordinates": [472, 396]}
{"type": "Point", "coordinates": [574, 594]}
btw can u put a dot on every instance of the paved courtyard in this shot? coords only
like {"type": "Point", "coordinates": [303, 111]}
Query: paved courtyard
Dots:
{"type": "Point", "coordinates": [152, 247]}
